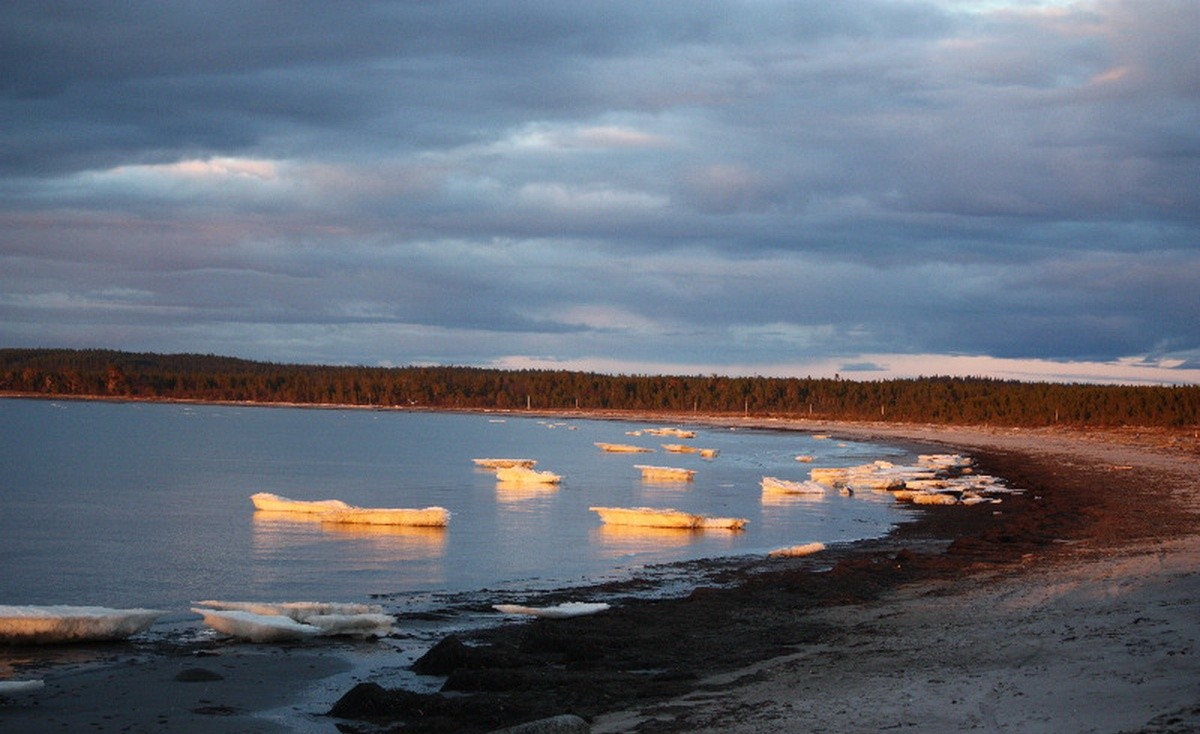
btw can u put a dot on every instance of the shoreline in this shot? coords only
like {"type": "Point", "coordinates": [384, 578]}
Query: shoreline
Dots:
{"type": "Point", "coordinates": [1094, 502]}
{"type": "Point", "coordinates": [1109, 509]}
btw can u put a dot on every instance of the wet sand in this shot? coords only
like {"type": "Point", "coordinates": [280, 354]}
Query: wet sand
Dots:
{"type": "Point", "coordinates": [1072, 607]}
{"type": "Point", "coordinates": [1097, 630]}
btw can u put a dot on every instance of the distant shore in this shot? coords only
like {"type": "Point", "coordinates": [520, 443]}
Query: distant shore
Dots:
{"type": "Point", "coordinates": [1071, 607]}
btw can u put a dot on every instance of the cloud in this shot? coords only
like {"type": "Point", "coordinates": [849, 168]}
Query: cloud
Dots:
{"type": "Point", "coordinates": [732, 183]}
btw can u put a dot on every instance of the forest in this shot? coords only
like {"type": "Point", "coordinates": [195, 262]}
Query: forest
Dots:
{"type": "Point", "coordinates": [109, 374]}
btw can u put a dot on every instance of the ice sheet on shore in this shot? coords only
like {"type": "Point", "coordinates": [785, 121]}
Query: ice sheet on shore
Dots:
{"type": "Point", "coordinates": [559, 611]}
{"type": "Point", "coordinates": [257, 627]}
{"type": "Point", "coordinates": [797, 551]}
{"type": "Point", "coordinates": [937, 479]}
{"type": "Point", "coordinates": [283, 621]}
{"type": "Point", "coordinates": [10, 687]}
{"type": "Point", "coordinates": [63, 623]}
{"type": "Point", "coordinates": [297, 610]}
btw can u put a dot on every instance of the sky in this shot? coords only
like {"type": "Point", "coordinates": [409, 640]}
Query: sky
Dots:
{"type": "Point", "coordinates": [866, 188]}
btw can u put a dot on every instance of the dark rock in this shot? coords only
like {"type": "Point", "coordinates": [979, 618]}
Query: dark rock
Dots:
{"type": "Point", "coordinates": [371, 700]}
{"type": "Point", "coordinates": [197, 675]}
{"type": "Point", "coordinates": [562, 724]}
{"type": "Point", "coordinates": [451, 654]}
{"type": "Point", "coordinates": [483, 679]}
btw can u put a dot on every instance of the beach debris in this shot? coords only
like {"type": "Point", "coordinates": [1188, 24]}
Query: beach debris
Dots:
{"type": "Point", "coordinates": [622, 448]}
{"type": "Point", "coordinates": [525, 475]}
{"type": "Point", "coordinates": [38, 625]}
{"type": "Point", "coordinates": [290, 621]}
{"type": "Point", "coordinates": [665, 518]}
{"type": "Point", "coordinates": [797, 551]}
{"type": "Point", "coordinates": [665, 473]}
{"type": "Point", "coordinates": [558, 611]}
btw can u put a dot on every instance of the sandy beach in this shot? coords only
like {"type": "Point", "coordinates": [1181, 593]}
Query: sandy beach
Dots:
{"type": "Point", "coordinates": [1098, 633]}
{"type": "Point", "coordinates": [1074, 607]}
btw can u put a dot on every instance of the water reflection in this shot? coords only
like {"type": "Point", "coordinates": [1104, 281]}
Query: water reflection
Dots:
{"type": "Point", "coordinates": [618, 540]}
{"type": "Point", "coordinates": [785, 499]}
{"type": "Point", "coordinates": [658, 483]}
{"type": "Point", "coordinates": [277, 531]}
{"type": "Point", "coordinates": [518, 491]}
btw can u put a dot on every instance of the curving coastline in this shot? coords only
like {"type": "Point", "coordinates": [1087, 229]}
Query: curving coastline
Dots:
{"type": "Point", "coordinates": [1074, 609]}
{"type": "Point", "coordinates": [1025, 619]}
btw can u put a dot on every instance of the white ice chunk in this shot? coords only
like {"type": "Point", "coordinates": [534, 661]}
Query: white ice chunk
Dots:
{"type": "Point", "coordinates": [300, 611]}
{"type": "Point", "coordinates": [63, 623]}
{"type": "Point", "coordinates": [559, 611]}
{"type": "Point", "coordinates": [797, 551]}
{"type": "Point", "coordinates": [10, 687]}
{"type": "Point", "coordinates": [356, 625]}
{"type": "Point", "coordinates": [257, 627]}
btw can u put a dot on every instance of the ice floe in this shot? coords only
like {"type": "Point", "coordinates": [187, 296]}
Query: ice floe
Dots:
{"type": "Point", "coordinates": [775, 485]}
{"type": "Point", "coordinates": [622, 448]}
{"type": "Point", "coordinates": [268, 502]}
{"type": "Point", "coordinates": [665, 473]}
{"type": "Point", "coordinates": [336, 511]}
{"type": "Point", "coordinates": [525, 475]}
{"type": "Point", "coordinates": [936, 479]}
{"type": "Point", "coordinates": [665, 518]}
{"type": "Point", "coordinates": [64, 623]}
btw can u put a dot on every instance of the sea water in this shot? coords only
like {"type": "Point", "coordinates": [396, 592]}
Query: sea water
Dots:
{"type": "Point", "coordinates": [147, 504]}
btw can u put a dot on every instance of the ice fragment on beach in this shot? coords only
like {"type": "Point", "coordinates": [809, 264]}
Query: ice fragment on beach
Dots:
{"type": "Point", "coordinates": [257, 627]}
{"type": "Point", "coordinates": [559, 611]}
{"type": "Point", "coordinates": [355, 625]}
{"type": "Point", "coordinates": [330, 618]}
{"type": "Point", "coordinates": [797, 551]}
{"type": "Point", "coordinates": [297, 610]}
{"type": "Point", "coordinates": [63, 623]}
{"type": "Point", "coordinates": [10, 687]}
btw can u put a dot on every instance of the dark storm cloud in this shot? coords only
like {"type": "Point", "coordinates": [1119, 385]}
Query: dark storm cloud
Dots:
{"type": "Point", "coordinates": [676, 182]}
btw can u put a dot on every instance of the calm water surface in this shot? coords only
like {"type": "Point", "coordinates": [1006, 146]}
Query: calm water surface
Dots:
{"type": "Point", "coordinates": [136, 504]}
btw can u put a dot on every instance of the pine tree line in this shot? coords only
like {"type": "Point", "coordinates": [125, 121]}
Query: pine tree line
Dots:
{"type": "Point", "coordinates": [947, 400]}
